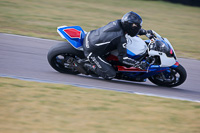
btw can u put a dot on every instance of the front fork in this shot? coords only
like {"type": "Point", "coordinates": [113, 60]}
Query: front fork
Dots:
{"type": "Point", "coordinates": [170, 74]}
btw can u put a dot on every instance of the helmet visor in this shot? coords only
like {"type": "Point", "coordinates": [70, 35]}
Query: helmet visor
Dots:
{"type": "Point", "coordinates": [134, 30]}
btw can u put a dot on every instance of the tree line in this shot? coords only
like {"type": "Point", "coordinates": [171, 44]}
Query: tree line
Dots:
{"type": "Point", "coordinates": [186, 2]}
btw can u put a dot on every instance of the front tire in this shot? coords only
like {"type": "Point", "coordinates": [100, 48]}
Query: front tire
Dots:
{"type": "Point", "coordinates": [170, 78]}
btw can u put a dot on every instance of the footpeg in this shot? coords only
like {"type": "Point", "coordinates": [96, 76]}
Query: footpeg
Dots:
{"type": "Point", "coordinates": [79, 67]}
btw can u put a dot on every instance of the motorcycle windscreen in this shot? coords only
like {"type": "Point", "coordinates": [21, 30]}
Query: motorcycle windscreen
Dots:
{"type": "Point", "coordinates": [136, 47]}
{"type": "Point", "coordinates": [73, 34]}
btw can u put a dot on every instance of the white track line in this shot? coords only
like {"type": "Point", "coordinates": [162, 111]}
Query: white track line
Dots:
{"type": "Point", "coordinates": [93, 87]}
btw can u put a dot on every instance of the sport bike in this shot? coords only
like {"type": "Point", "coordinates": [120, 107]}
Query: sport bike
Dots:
{"type": "Point", "coordinates": [163, 69]}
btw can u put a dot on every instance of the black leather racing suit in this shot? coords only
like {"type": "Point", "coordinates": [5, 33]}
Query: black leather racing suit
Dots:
{"type": "Point", "coordinates": [103, 40]}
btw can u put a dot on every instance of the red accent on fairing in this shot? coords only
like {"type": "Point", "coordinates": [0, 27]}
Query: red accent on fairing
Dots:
{"type": "Point", "coordinates": [171, 51]}
{"type": "Point", "coordinates": [176, 64]}
{"type": "Point", "coordinates": [161, 70]}
{"type": "Point", "coordinates": [73, 33]}
{"type": "Point", "coordinates": [112, 58]}
{"type": "Point", "coordinates": [122, 68]}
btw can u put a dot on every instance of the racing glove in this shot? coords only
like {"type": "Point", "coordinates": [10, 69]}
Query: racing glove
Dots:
{"type": "Point", "coordinates": [142, 32]}
{"type": "Point", "coordinates": [149, 34]}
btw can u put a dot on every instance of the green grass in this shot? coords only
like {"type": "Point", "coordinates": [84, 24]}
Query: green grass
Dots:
{"type": "Point", "coordinates": [40, 18]}
{"type": "Point", "coordinates": [29, 107]}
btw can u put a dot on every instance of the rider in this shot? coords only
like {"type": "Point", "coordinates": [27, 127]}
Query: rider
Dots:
{"type": "Point", "coordinates": [108, 38]}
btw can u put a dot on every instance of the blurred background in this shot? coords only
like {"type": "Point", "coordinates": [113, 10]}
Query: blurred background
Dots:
{"type": "Point", "coordinates": [177, 20]}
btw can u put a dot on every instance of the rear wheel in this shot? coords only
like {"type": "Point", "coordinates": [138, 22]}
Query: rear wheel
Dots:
{"type": "Point", "coordinates": [63, 64]}
{"type": "Point", "coordinates": [61, 56]}
{"type": "Point", "coordinates": [170, 78]}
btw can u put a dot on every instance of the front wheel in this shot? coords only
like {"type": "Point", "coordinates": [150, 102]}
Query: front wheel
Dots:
{"type": "Point", "coordinates": [170, 78]}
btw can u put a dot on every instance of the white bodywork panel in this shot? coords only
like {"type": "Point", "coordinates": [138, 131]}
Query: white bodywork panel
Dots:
{"type": "Point", "coordinates": [165, 61]}
{"type": "Point", "coordinates": [136, 45]}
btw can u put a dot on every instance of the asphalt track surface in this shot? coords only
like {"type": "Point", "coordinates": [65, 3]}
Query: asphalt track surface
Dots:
{"type": "Point", "coordinates": [25, 58]}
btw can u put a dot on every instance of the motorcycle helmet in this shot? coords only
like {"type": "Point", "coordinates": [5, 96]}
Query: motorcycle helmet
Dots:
{"type": "Point", "coordinates": [131, 23]}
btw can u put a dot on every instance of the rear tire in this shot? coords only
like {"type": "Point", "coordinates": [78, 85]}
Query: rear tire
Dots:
{"type": "Point", "coordinates": [175, 78]}
{"type": "Point", "coordinates": [57, 57]}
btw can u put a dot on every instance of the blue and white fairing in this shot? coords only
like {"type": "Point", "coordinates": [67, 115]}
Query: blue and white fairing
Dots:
{"type": "Point", "coordinates": [162, 47]}
{"type": "Point", "coordinates": [73, 34]}
{"type": "Point", "coordinates": [136, 47]}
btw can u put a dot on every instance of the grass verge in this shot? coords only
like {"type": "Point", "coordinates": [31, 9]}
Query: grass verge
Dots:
{"type": "Point", "coordinates": [39, 18]}
{"type": "Point", "coordinates": [53, 108]}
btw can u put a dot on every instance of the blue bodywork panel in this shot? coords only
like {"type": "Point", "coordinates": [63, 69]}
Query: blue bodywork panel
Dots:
{"type": "Point", "coordinates": [73, 34]}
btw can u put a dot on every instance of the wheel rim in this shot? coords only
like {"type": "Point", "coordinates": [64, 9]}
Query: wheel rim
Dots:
{"type": "Point", "coordinates": [169, 77]}
{"type": "Point", "coordinates": [63, 63]}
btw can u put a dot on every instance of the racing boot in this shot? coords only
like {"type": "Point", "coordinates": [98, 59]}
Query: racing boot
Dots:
{"type": "Point", "coordinates": [90, 68]}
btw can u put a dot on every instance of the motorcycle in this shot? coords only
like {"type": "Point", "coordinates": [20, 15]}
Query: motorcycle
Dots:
{"type": "Point", "coordinates": [163, 70]}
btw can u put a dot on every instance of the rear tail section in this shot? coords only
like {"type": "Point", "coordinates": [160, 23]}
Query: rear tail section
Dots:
{"type": "Point", "coordinates": [73, 34]}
